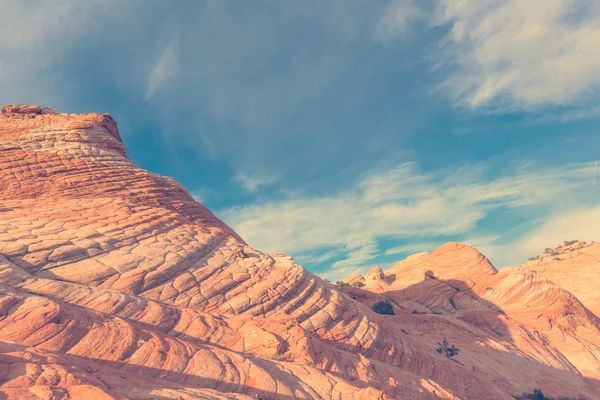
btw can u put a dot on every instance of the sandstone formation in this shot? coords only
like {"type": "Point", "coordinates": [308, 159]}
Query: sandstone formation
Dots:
{"type": "Point", "coordinates": [515, 327]}
{"type": "Point", "coordinates": [575, 266]}
{"type": "Point", "coordinates": [116, 284]}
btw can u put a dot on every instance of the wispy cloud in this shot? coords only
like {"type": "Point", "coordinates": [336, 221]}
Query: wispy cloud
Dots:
{"type": "Point", "coordinates": [397, 18]}
{"type": "Point", "coordinates": [577, 223]}
{"type": "Point", "coordinates": [412, 248]}
{"type": "Point", "coordinates": [400, 203]}
{"type": "Point", "coordinates": [252, 181]}
{"type": "Point", "coordinates": [198, 195]}
{"type": "Point", "coordinates": [571, 114]}
{"type": "Point", "coordinates": [28, 25]}
{"type": "Point", "coordinates": [165, 68]}
{"type": "Point", "coordinates": [358, 255]}
{"type": "Point", "coordinates": [505, 55]}
{"type": "Point", "coordinates": [34, 37]}
{"type": "Point", "coordinates": [514, 53]}
{"type": "Point", "coordinates": [316, 258]}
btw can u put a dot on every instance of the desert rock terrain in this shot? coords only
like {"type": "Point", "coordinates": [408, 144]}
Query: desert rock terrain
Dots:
{"type": "Point", "coordinates": [116, 284]}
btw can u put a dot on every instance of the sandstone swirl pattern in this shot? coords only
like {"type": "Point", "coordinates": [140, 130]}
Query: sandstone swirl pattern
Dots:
{"type": "Point", "coordinates": [116, 284]}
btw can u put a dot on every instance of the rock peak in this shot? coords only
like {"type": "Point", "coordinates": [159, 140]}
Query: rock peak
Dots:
{"type": "Point", "coordinates": [35, 124]}
{"type": "Point", "coordinates": [463, 255]}
{"type": "Point", "coordinates": [26, 109]}
{"type": "Point", "coordinates": [375, 274]}
{"type": "Point", "coordinates": [447, 260]}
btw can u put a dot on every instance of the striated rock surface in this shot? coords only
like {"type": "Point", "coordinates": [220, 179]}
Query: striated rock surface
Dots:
{"type": "Point", "coordinates": [116, 284]}
{"type": "Point", "coordinates": [515, 327]}
{"type": "Point", "coordinates": [575, 266]}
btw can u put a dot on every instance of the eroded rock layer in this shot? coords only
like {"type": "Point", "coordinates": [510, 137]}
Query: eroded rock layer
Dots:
{"type": "Point", "coordinates": [116, 284]}
{"type": "Point", "coordinates": [575, 266]}
{"type": "Point", "coordinates": [515, 327]}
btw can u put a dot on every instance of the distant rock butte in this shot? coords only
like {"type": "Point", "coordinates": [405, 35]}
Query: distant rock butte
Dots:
{"type": "Point", "coordinates": [116, 284]}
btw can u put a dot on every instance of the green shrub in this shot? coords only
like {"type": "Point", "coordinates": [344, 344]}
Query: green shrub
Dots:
{"type": "Point", "coordinates": [358, 284]}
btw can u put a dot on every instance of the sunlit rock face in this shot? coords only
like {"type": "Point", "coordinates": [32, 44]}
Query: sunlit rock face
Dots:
{"type": "Point", "coordinates": [116, 284]}
{"type": "Point", "coordinates": [575, 266]}
{"type": "Point", "coordinates": [516, 327]}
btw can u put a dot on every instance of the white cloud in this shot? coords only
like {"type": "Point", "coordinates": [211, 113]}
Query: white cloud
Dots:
{"type": "Point", "coordinates": [507, 54]}
{"type": "Point", "coordinates": [403, 202]}
{"type": "Point", "coordinates": [515, 53]}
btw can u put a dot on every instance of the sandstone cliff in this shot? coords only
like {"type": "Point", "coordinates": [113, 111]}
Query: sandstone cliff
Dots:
{"type": "Point", "coordinates": [116, 284]}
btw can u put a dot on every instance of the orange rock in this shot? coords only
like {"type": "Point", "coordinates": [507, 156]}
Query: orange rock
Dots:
{"type": "Point", "coordinates": [116, 284]}
{"type": "Point", "coordinates": [575, 266]}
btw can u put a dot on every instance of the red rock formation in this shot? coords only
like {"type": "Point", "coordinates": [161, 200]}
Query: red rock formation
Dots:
{"type": "Point", "coordinates": [575, 266]}
{"type": "Point", "coordinates": [515, 327]}
{"type": "Point", "coordinates": [116, 284]}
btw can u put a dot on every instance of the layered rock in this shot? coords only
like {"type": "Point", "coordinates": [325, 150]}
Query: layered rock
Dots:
{"type": "Point", "coordinates": [515, 327]}
{"type": "Point", "coordinates": [575, 266]}
{"type": "Point", "coordinates": [121, 269]}
{"type": "Point", "coordinates": [115, 283]}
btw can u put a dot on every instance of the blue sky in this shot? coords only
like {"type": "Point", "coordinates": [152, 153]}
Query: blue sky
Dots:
{"type": "Point", "coordinates": [346, 133]}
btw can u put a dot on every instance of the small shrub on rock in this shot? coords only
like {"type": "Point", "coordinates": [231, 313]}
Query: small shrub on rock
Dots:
{"type": "Point", "coordinates": [451, 300]}
{"type": "Point", "coordinates": [447, 350]}
{"type": "Point", "coordinates": [358, 284]}
{"type": "Point", "coordinates": [536, 395]}
{"type": "Point", "coordinates": [539, 395]}
{"type": "Point", "coordinates": [383, 307]}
